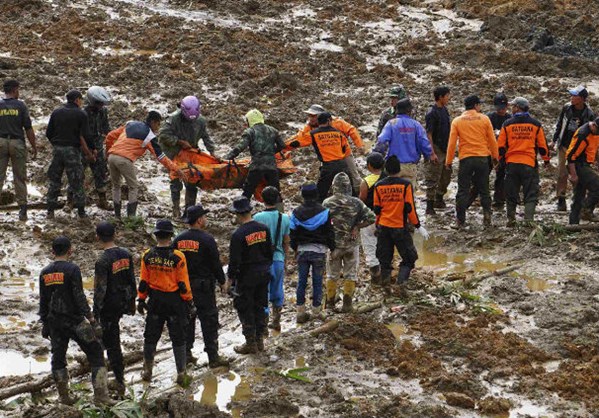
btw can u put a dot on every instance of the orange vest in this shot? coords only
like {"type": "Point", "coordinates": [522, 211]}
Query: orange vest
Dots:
{"type": "Point", "coordinates": [520, 138]}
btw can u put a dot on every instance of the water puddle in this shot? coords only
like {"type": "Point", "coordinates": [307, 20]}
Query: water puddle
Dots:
{"type": "Point", "coordinates": [219, 391]}
{"type": "Point", "coordinates": [13, 363]}
{"type": "Point", "coordinates": [398, 330]}
{"type": "Point", "coordinates": [535, 284]}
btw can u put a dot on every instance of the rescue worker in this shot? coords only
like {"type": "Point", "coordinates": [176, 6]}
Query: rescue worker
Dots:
{"type": "Point", "coordinates": [348, 215]}
{"type": "Point", "coordinates": [250, 259]}
{"type": "Point", "coordinates": [15, 124]}
{"type": "Point", "coordinates": [572, 117]}
{"type": "Point", "coordinates": [406, 140]}
{"type": "Point", "coordinates": [278, 225]}
{"type": "Point", "coordinates": [374, 163]}
{"type": "Point", "coordinates": [581, 154]}
{"type": "Point", "coordinates": [311, 235]}
{"type": "Point", "coordinates": [437, 176]}
{"type": "Point", "coordinates": [498, 117]}
{"type": "Point", "coordinates": [395, 94]}
{"type": "Point", "coordinates": [330, 146]}
{"type": "Point", "coordinates": [164, 279]}
{"type": "Point", "coordinates": [134, 139]}
{"type": "Point", "coordinates": [65, 316]}
{"type": "Point", "coordinates": [114, 296]}
{"type": "Point", "coordinates": [304, 139]}
{"type": "Point", "coordinates": [67, 131]}
{"type": "Point", "coordinates": [205, 270]}
{"type": "Point", "coordinates": [183, 130]}
{"type": "Point", "coordinates": [520, 138]}
{"type": "Point", "coordinates": [264, 142]}
{"type": "Point", "coordinates": [394, 208]}
{"type": "Point", "coordinates": [473, 133]}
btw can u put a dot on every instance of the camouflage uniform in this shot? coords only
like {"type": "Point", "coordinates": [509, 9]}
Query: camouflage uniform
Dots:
{"type": "Point", "coordinates": [386, 116]}
{"type": "Point", "coordinates": [65, 158]}
{"type": "Point", "coordinates": [98, 128]}
{"type": "Point", "coordinates": [176, 128]}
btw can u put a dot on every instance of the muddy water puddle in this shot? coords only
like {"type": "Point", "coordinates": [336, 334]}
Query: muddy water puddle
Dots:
{"type": "Point", "coordinates": [13, 363]}
{"type": "Point", "coordinates": [219, 391]}
{"type": "Point", "coordinates": [398, 330]}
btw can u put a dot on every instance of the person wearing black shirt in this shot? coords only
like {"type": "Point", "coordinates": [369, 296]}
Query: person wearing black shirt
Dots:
{"type": "Point", "coordinates": [250, 259]}
{"type": "Point", "coordinates": [205, 270]}
{"type": "Point", "coordinates": [498, 117]}
{"type": "Point", "coordinates": [438, 124]}
{"type": "Point", "coordinates": [65, 316]}
{"type": "Point", "coordinates": [114, 296]}
{"type": "Point", "coordinates": [67, 131]}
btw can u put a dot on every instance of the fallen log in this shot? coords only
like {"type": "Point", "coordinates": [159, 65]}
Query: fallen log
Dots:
{"type": "Point", "coordinates": [329, 326]}
{"type": "Point", "coordinates": [369, 307]}
{"type": "Point", "coordinates": [34, 205]}
{"type": "Point", "coordinates": [498, 272]}
{"type": "Point", "coordinates": [584, 227]}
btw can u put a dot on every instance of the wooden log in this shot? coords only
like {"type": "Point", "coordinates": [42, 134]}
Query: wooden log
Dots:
{"type": "Point", "coordinates": [369, 307]}
{"type": "Point", "coordinates": [584, 227]}
{"type": "Point", "coordinates": [498, 272]}
{"type": "Point", "coordinates": [329, 326]}
{"type": "Point", "coordinates": [35, 205]}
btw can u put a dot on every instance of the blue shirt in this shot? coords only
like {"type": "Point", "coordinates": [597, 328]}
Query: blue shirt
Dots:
{"type": "Point", "coordinates": [270, 218]}
{"type": "Point", "coordinates": [406, 138]}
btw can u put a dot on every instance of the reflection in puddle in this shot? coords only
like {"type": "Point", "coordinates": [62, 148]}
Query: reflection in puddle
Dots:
{"type": "Point", "coordinates": [398, 330]}
{"type": "Point", "coordinates": [13, 363]}
{"type": "Point", "coordinates": [535, 284]}
{"type": "Point", "coordinates": [220, 390]}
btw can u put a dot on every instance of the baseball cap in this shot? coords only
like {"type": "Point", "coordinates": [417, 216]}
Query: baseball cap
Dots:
{"type": "Point", "coordinates": [579, 91]}
{"type": "Point", "coordinates": [500, 101]}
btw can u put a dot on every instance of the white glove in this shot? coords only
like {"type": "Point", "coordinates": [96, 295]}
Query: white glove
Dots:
{"type": "Point", "coordinates": [423, 232]}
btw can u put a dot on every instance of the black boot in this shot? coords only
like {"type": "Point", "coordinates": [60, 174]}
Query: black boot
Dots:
{"type": "Point", "coordinates": [250, 346]}
{"type": "Point", "coordinates": [149, 352]}
{"type": "Point", "coordinates": [430, 207]}
{"type": "Point", "coordinates": [180, 353]}
{"type": "Point", "coordinates": [561, 204]}
{"type": "Point", "coordinates": [375, 275]}
{"type": "Point", "coordinates": [439, 203]}
{"type": "Point", "coordinates": [131, 209]}
{"type": "Point", "coordinates": [191, 196]}
{"type": "Point", "coordinates": [404, 274]}
{"type": "Point", "coordinates": [385, 278]}
{"type": "Point", "coordinates": [102, 201]}
{"type": "Point", "coordinates": [100, 384]}
{"type": "Point", "coordinates": [22, 213]}
{"type": "Point", "coordinates": [190, 358]}
{"type": "Point", "coordinates": [215, 360]}
{"type": "Point", "coordinates": [81, 212]}
{"type": "Point", "coordinates": [117, 209]}
{"type": "Point", "coordinates": [276, 318]}
{"type": "Point", "coordinates": [61, 377]}
{"type": "Point", "coordinates": [487, 219]}
{"type": "Point", "coordinates": [176, 199]}
{"type": "Point", "coordinates": [115, 358]}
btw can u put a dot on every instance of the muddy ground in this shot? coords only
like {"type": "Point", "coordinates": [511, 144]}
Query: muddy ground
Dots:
{"type": "Point", "coordinates": [524, 344]}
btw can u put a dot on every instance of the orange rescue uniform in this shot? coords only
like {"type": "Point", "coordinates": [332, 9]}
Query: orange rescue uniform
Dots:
{"type": "Point", "coordinates": [584, 145]}
{"type": "Point", "coordinates": [165, 270]}
{"type": "Point", "coordinates": [303, 138]}
{"type": "Point", "coordinates": [476, 137]}
{"type": "Point", "coordinates": [520, 138]}
{"type": "Point", "coordinates": [394, 203]}
{"type": "Point", "coordinates": [329, 144]}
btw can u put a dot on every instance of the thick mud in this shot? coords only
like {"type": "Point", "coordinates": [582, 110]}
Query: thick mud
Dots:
{"type": "Point", "coordinates": [522, 344]}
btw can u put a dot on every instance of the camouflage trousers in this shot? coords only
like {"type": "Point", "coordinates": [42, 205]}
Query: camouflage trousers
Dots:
{"type": "Point", "coordinates": [344, 260]}
{"type": "Point", "coordinates": [99, 169]}
{"type": "Point", "coordinates": [65, 159]}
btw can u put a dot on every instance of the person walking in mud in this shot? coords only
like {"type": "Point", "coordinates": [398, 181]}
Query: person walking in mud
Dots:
{"type": "Point", "coordinates": [520, 138]}
{"type": "Point", "coordinates": [437, 176]}
{"type": "Point", "coordinates": [68, 133]}
{"type": "Point", "coordinates": [183, 130]}
{"type": "Point", "coordinates": [395, 95]}
{"type": "Point", "coordinates": [498, 117]}
{"type": "Point", "coordinates": [304, 139]}
{"type": "Point", "coordinates": [473, 132]}
{"type": "Point", "coordinates": [250, 260]}
{"type": "Point", "coordinates": [65, 316]}
{"type": "Point", "coordinates": [15, 124]}
{"type": "Point", "coordinates": [264, 142]}
{"type": "Point", "coordinates": [348, 215]}
{"type": "Point", "coordinates": [114, 296]}
{"type": "Point", "coordinates": [205, 270]}
{"type": "Point", "coordinates": [573, 115]}
{"type": "Point", "coordinates": [394, 207]}
{"type": "Point", "coordinates": [164, 279]}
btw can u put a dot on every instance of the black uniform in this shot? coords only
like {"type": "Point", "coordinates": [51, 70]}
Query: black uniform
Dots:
{"type": "Point", "coordinates": [114, 296]}
{"type": "Point", "coordinates": [250, 259]}
{"type": "Point", "coordinates": [499, 186]}
{"type": "Point", "coordinates": [63, 312]}
{"type": "Point", "coordinates": [204, 269]}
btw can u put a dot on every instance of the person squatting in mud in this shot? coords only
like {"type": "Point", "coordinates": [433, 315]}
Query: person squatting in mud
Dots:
{"type": "Point", "coordinates": [65, 316]}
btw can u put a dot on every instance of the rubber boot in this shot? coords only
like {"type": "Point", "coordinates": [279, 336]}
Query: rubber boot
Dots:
{"type": "Point", "coordinates": [404, 274]}
{"type": "Point", "coordinates": [216, 360]}
{"type": "Point", "coordinates": [190, 358]}
{"type": "Point", "coordinates": [302, 316]}
{"type": "Point", "coordinates": [385, 278]}
{"type": "Point", "coordinates": [102, 201]}
{"type": "Point", "coordinates": [317, 313]}
{"type": "Point", "coordinates": [115, 358]}
{"type": "Point", "coordinates": [349, 287]}
{"type": "Point", "coordinates": [375, 275]}
{"type": "Point", "coordinates": [487, 219]}
{"type": "Point", "coordinates": [131, 209]}
{"type": "Point", "coordinates": [61, 377]}
{"type": "Point", "coordinates": [70, 203]}
{"type": "Point", "coordinates": [191, 196]}
{"type": "Point", "coordinates": [149, 352]}
{"type": "Point", "coordinates": [176, 199]}
{"type": "Point", "coordinates": [117, 209]}
{"type": "Point", "coordinates": [460, 221]}
{"type": "Point", "coordinates": [250, 346]}
{"type": "Point", "coordinates": [331, 294]}
{"type": "Point", "coordinates": [50, 214]}
{"type": "Point", "coordinates": [276, 318]}
{"type": "Point", "coordinates": [561, 204]}
{"type": "Point", "coordinates": [586, 214]}
{"type": "Point", "coordinates": [22, 213]}
{"type": "Point", "coordinates": [439, 203]}
{"type": "Point", "coordinates": [100, 384]}
{"type": "Point", "coordinates": [511, 217]}
{"type": "Point", "coordinates": [529, 211]}
{"type": "Point", "coordinates": [260, 343]}
{"type": "Point", "coordinates": [180, 353]}
{"type": "Point", "coordinates": [430, 207]}
{"type": "Point", "coordinates": [81, 212]}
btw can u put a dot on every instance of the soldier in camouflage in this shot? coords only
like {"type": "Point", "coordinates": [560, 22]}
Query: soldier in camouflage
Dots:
{"type": "Point", "coordinates": [348, 215]}
{"type": "Point", "coordinates": [264, 142]}
{"type": "Point", "coordinates": [183, 130]}
{"type": "Point", "coordinates": [395, 94]}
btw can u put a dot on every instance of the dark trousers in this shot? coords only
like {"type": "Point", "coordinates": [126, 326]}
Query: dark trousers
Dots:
{"type": "Point", "coordinates": [83, 334]}
{"type": "Point", "coordinates": [191, 193]}
{"type": "Point", "coordinates": [588, 183]}
{"type": "Point", "coordinates": [387, 241]}
{"type": "Point", "coordinates": [251, 302]}
{"type": "Point", "coordinates": [65, 159]}
{"type": "Point", "coordinates": [307, 260]}
{"type": "Point", "coordinates": [204, 300]}
{"type": "Point", "coordinates": [171, 310]}
{"type": "Point", "coordinates": [328, 171]}
{"type": "Point", "coordinates": [254, 178]}
{"type": "Point", "coordinates": [111, 338]}
{"type": "Point", "coordinates": [472, 171]}
{"type": "Point", "coordinates": [521, 176]}
{"type": "Point", "coordinates": [499, 192]}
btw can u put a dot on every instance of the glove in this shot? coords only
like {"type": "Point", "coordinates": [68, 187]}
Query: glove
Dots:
{"type": "Point", "coordinates": [45, 331]}
{"type": "Point", "coordinates": [98, 329]}
{"type": "Point", "coordinates": [423, 232]}
{"type": "Point", "coordinates": [193, 312]}
{"type": "Point", "coordinates": [141, 306]}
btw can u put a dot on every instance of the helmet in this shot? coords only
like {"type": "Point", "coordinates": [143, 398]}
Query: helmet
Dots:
{"type": "Point", "coordinates": [398, 92]}
{"type": "Point", "coordinates": [190, 107]}
{"type": "Point", "coordinates": [315, 110]}
{"type": "Point", "coordinates": [97, 94]}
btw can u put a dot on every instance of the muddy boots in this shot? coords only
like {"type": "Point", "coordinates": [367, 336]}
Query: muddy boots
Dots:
{"type": "Point", "coordinates": [250, 346]}
{"type": "Point", "coordinates": [22, 213]}
{"type": "Point", "coordinates": [180, 353]}
{"type": "Point", "coordinates": [131, 209]}
{"type": "Point", "coordinates": [149, 352]}
{"type": "Point", "coordinates": [529, 212]}
{"type": "Point", "coordinates": [276, 318]}
{"type": "Point", "coordinates": [430, 207]}
{"type": "Point", "coordinates": [215, 360]}
{"type": "Point", "coordinates": [117, 210]}
{"type": "Point", "coordinates": [487, 219]}
{"type": "Point", "coordinates": [102, 201]}
{"type": "Point", "coordinates": [176, 199]}
{"type": "Point", "coordinates": [402, 280]}
{"type": "Point", "coordinates": [439, 203]}
{"type": "Point", "coordinates": [586, 214]}
{"type": "Point", "coordinates": [385, 278]}
{"type": "Point", "coordinates": [511, 216]}
{"type": "Point", "coordinates": [317, 313]}
{"type": "Point", "coordinates": [81, 212]}
{"type": "Point", "coordinates": [115, 358]}
{"type": "Point", "coordinates": [191, 196]}
{"type": "Point", "coordinates": [61, 377]}
{"type": "Point", "coordinates": [100, 384]}
{"type": "Point", "coordinates": [331, 295]}
{"type": "Point", "coordinates": [349, 287]}
{"type": "Point", "coordinates": [260, 342]}
{"type": "Point", "coordinates": [561, 204]}
{"type": "Point", "coordinates": [375, 275]}
{"type": "Point", "coordinates": [190, 358]}
{"type": "Point", "coordinates": [302, 316]}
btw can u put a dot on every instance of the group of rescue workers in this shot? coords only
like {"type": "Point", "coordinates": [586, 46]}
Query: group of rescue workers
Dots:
{"type": "Point", "coordinates": [178, 277]}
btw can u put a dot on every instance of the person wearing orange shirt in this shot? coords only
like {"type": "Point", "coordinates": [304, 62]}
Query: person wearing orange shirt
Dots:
{"type": "Point", "coordinates": [473, 132]}
{"type": "Point", "coordinates": [164, 278]}
{"type": "Point", "coordinates": [581, 155]}
{"type": "Point", "coordinates": [520, 138]}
